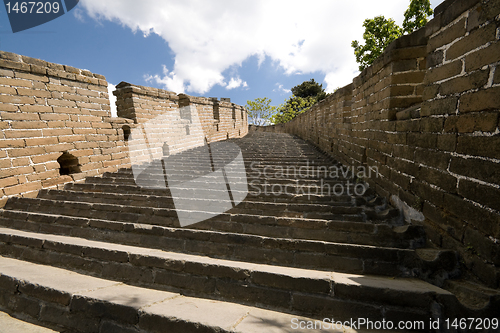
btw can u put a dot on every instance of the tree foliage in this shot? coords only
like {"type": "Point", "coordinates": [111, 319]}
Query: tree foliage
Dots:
{"type": "Point", "coordinates": [309, 88]}
{"type": "Point", "coordinates": [304, 96]}
{"type": "Point", "coordinates": [416, 15]}
{"type": "Point", "coordinates": [380, 32]}
{"type": "Point", "coordinates": [292, 107]}
{"type": "Point", "coordinates": [260, 111]}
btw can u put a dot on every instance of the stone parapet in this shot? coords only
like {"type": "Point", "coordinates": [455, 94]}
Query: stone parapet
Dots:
{"type": "Point", "coordinates": [56, 125]}
{"type": "Point", "coordinates": [426, 114]}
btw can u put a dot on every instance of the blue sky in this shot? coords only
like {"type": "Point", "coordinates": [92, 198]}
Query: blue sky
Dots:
{"type": "Point", "coordinates": [214, 48]}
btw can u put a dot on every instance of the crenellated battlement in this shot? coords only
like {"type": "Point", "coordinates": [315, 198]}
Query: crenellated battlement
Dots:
{"type": "Point", "coordinates": [57, 126]}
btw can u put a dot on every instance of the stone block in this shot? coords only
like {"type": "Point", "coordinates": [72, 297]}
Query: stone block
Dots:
{"type": "Point", "coordinates": [439, 107]}
{"type": "Point", "coordinates": [488, 99]}
{"type": "Point", "coordinates": [483, 57]}
{"type": "Point", "coordinates": [443, 72]}
{"type": "Point", "coordinates": [441, 179]}
{"type": "Point", "coordinates": [485, 146]}
{"type": "Point", "coordinates": [423, 140]}
{"type": "Point", "coordinates": [475, 39]}
{"type": "Point", "coordinates": [483, 194]}
{"type": "Point", "coordinates": [254, 294]}
{"type": "Point", "coordinates": [475, 80]}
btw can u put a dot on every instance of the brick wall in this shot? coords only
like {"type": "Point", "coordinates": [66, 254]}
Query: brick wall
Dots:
{"type": "Point", "coordinates": [426, 113]}
{"type": "Point", "coordinates": [56, 124]}
{"type": "Point", "coordinates": [49, 109]}
{"type": "Point", "coordinates": [220, 120]}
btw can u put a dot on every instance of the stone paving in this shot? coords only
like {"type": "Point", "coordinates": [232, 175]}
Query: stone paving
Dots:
{"type": "Point", "coordinates": [108, 255]}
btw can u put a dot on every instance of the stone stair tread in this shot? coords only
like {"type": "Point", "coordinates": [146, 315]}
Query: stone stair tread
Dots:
{"type": "Point", "coordinates": [354, 227]}
{"type": "Point", "coordinates": [473, 295]}
{"type": "Point", "coordinates": [88, 209]}
{"type": "Point", "coordinates": [10, 324]}
{"type": "Point", "coordinates": [314, 230]}
{"type": "Point", "coordinates": [387, 284]}
{"type": "Point", "coordinates": [151, 310]}
{"type": "Point", "coordinates": [147, 229]}
{"type": "Point", "coordinates": [79, 196]}
{"type": "Point", "coordinates": [134, 190]}
{"type": "Point", "coordinates": [124, 206]}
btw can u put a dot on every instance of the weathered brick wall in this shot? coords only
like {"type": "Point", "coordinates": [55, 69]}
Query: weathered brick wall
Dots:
{"type": "Point", "coordinates": [220, 120]}
{"type": "Point", "coordinates": [56, 124]}
{"type": "Point", "coordinates": [46, 110]}
{"type": "Point", "coordinates": [426, 113]}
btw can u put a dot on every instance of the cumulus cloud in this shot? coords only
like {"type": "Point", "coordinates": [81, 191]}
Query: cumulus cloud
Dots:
{"type": "Point", "coordinates": [279, 88]}
{"type": "Point", "coordinates": [236, 83]}
{"type": "Point", "coordinates": [169, 80]}
{"type": "Point", "coordinates": [208, 37]}
{"type": "Point", "coordinates": [78, 14]}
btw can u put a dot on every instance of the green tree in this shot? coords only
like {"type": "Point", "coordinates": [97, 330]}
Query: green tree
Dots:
{"type": "Point", "coordinates": [292, 107]}
{"type": "Point", "coordinates": [304, 96]}
{"type": "Point", "coordinates": [260, 111]}
{"type": "Point", "coordinates": [309, 88]}
{"type": "Point", "coordinates": [416, 15]}
{"type": "Point", "coordinates": [379, 33]}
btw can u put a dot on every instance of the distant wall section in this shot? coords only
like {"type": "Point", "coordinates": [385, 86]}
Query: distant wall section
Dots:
{"type": "Point", "coordinates": [220, 120]}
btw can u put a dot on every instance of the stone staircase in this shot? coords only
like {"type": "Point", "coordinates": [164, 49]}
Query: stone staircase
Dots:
{"type": "Point", "coordinates": [108, 255]}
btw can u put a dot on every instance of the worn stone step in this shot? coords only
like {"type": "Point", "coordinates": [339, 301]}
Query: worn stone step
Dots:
{"type": "Point", "coordinates": [331, 187]}
{"type": "Point", "coordinates": [473, 300]}
{"type": "Point", "coordinates": [84, 304]}
{"type": "Point", "coordinates": [255, 171]}
{"type": "Point", "coordinates": [10, 324]}
{"type": "Point", "coordinates": [281, 227]}
{"type": "Point", "coordinates": [87, 193]}
{"type": "Point", "coordinates": [341, 257]}
{"type": "Point", "coordinates": [141, 214]}
{"type": "Point", "coordinates": [306, 292]}
{"type": "Point", "coordinates": [252, 195]}
{"type": "Point", "coordinates": [167, 202]}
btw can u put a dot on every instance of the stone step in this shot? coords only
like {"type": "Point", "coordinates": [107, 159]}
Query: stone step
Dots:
{"type": "Point", "coordinates": [331, 186]}
{"type": "Point", "coordinates": [168, 216]}
{"type": "Point", "coordinates": [473, 300]}
{"type": "Point", "coordinates": [252, 195]}
{"type": "Point", "coordinates": [90, 193]}
{"type": "Point", "coordinates": [341, 257]}
{"type": "Point", "coordinates": [304, 292]}
{"type": "Point", "coordinates": [84, 304]}
{"type": "Point", "coordinates": [305, 229]}
{"type": "Point", "coordinates": [345, 228]}
{"type": "Point", "coordinates": [266, 191]}
{"type": "Point", "coordinates": [267, 169]}
{"type": "Point", "coordinates": [167, 202]}
{"type": "Point", "coordinates": [10, 324]}
{"type": "Point", "coordinates": [238, 176]}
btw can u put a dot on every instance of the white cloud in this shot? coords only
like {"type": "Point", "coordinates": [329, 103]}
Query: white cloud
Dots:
{"type": "Point", "coordinates": [78, 14]}
{"type": "Point", "coordinates": [279, 88]}
{"type": "Point", "coordinates": [112, 99]}
{"type": "Point", "coordinates": [236, 83]}
{"type": "Point", "coordinates": [208, 37]}
{"type": "Point", "coordinates": [169, 80]}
